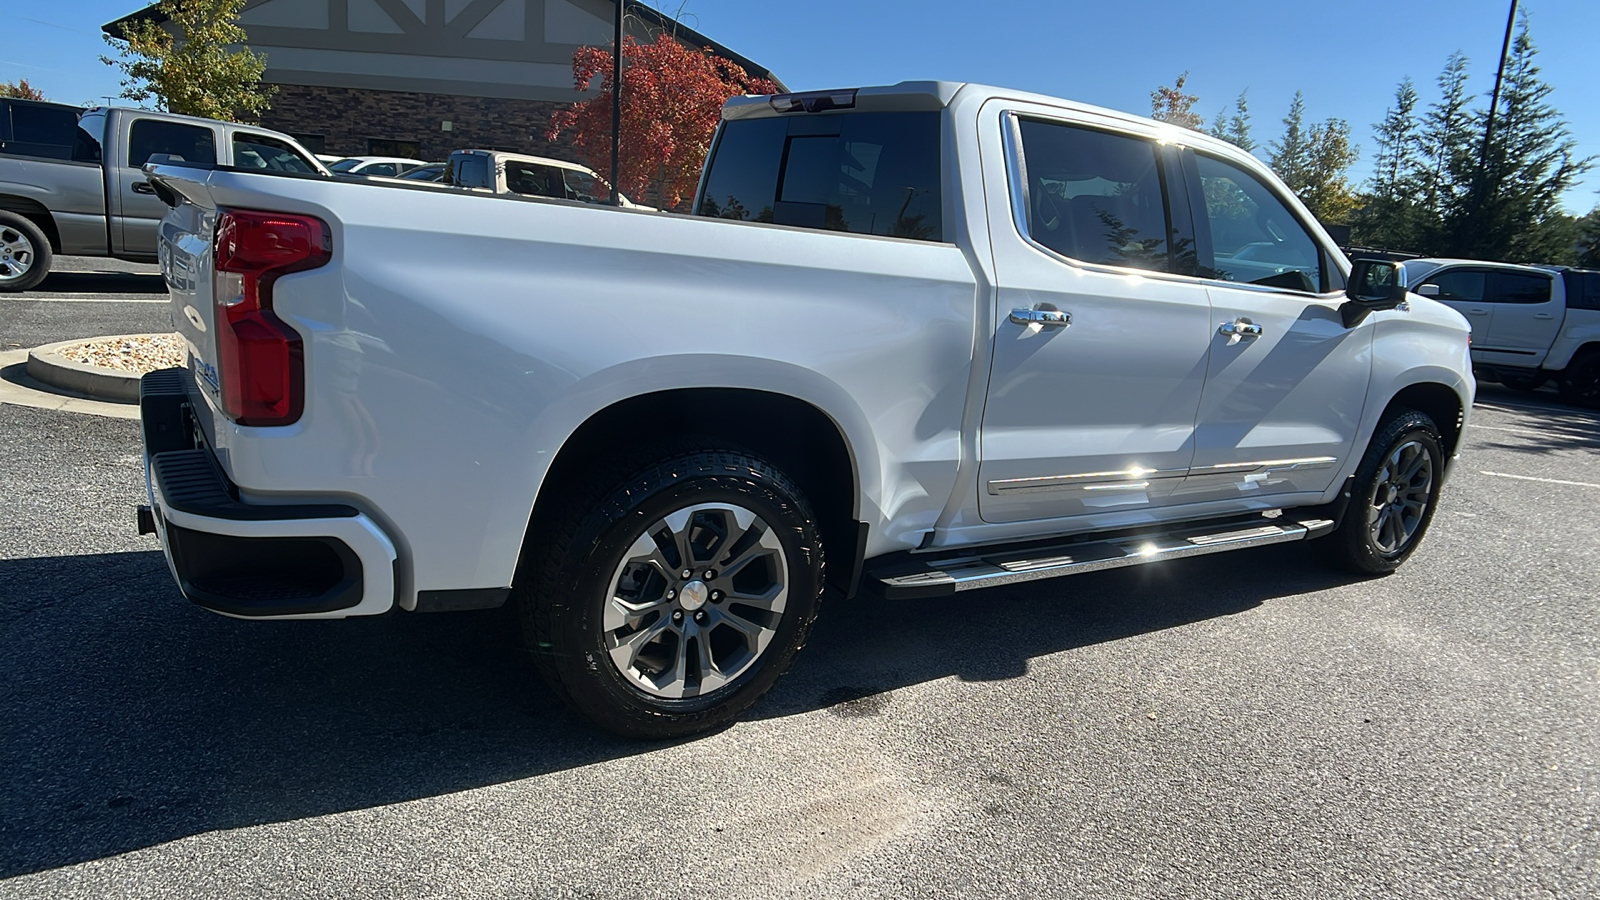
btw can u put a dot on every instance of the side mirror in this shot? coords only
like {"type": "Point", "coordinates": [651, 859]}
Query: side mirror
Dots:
{"type": "Point", "coordinates": [1428, 290]}
{"type": "Point", "coordinates": [1374, 285]}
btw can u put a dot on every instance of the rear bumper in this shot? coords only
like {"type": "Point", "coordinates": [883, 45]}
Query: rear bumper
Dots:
{"type": "Point", "coordinates": [253, 560]}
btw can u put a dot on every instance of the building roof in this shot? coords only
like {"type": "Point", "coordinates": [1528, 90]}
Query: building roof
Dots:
{"type": "Point", "coordinates": [651, 17]}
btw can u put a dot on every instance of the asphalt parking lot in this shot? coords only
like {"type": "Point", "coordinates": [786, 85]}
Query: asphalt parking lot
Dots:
{"type": "Point", "coordinates": [1244, 725]}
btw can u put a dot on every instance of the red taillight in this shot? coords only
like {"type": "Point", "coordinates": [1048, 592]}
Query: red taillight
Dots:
{"type": "Point", "coordinates": [260, 359]}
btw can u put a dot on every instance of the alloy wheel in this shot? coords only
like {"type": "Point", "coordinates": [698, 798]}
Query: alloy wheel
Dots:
{"type": "Point", "coordinates": [1400, 496]}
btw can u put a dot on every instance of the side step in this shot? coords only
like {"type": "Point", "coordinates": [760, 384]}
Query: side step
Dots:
{"type": "Point", "coordinates": [942, 576]}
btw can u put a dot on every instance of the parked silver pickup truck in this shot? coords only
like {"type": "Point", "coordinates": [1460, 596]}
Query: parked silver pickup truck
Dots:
{"type": "Point", "coordinates": [70, 181]}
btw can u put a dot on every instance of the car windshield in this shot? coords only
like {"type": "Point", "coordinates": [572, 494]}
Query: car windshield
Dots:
{"type": "Point", "coordinates": [344, 165]}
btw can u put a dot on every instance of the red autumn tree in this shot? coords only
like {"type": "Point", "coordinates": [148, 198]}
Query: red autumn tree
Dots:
{"type": "Point", "coordinates": [672, 98]}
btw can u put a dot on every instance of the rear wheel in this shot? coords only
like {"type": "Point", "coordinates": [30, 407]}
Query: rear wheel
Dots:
{"type": "Point", "coordinates": [1580, 383]}
{"type": "Point", "coordinates": [671, 602]}
{"type": "Point", "coordinates": [24, 253]}
{"type": "Point", "coordinates": [1393, 496]}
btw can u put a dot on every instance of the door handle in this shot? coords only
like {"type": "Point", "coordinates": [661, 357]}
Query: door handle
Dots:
{"type": "Point", "coordinates": [143, 187]}
{"type": "Point", "coordinates": [1477, 312]}
{"type": "Point", "coordinates": [1049, 318]}
{"type": "Point", "coordinates": [1243, 328]}
{"type": "Point", "coordinates": [1544, 315]}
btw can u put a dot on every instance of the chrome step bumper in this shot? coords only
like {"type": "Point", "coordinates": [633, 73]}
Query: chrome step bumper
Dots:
{"type": "Point", "coordinates": [940, 576]}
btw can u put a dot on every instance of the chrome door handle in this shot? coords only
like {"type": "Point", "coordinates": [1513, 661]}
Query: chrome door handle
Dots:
{"type": "Point", "coordinates": [1243, 328]}
{"type": "Point", "coordinates": [1049, 318]}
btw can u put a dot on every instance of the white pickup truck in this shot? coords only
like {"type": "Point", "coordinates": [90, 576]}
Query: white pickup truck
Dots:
{"type": "Point", "coordinates": [921, 339]}
{"type": "Point", "coordinates": [1530, 324]}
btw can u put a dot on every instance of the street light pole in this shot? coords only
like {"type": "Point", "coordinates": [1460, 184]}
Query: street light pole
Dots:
{"type": "Point", "coordinates": [616, 106]}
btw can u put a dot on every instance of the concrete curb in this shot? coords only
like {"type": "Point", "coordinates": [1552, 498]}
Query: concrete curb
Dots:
{"type": "Point", "coordinates": [47, 365]}
{"type": "Point", "coordinates": [18, 388]}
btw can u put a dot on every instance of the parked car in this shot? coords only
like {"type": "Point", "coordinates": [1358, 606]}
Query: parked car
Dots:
{"type": "Point", "coordinates": [926, 339]}
{"type": "Point", "coordinates": [1530, 324]}
{"type": "Point", "coordinates": [70, 180]}
{"type": "Point", "coordinates": [530, 176]}
{"type": "Point", "coordinates": [429, 172]}
{"type": "Point", "coordinates": [370, 166]}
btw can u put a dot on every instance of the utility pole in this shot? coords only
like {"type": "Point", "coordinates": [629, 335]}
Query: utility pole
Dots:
{"type": "Point", "coordinates": [616, 105]}
{"type": "Point", "coordinates": [1494, 102]}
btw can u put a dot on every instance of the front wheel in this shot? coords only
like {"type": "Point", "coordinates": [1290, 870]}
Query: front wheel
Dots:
{"type": "Point", "coordinates": [670, 603]}
{"type": "Point", "coordinates": [1393, 497]}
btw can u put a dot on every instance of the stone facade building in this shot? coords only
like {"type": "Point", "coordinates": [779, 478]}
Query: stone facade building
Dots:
{"type": "Point", "coordinates": [420, 78]}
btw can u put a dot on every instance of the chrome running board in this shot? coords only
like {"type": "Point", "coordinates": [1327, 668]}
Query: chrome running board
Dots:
{"type": "Point", "coordinates": [974, 568]}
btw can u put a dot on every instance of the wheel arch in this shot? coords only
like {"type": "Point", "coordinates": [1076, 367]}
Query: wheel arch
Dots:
{"type": "Point", "coordinates": [35, 212]}
{"type": "Point", "coordinates": [1439, 402]}
{"type": "Point", "coordinates": [795, 434]}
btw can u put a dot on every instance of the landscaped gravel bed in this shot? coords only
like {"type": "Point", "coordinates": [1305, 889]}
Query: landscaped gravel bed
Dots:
{"type": "Point", "coordinates": [136, 354]}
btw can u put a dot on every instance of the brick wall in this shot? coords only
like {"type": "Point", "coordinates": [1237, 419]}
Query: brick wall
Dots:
{"type": "Point", "coordinates": [348, 117]}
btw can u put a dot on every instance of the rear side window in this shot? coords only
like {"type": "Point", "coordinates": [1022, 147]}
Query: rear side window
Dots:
{"type": "Point", "coordinates": [50, 132]}
{"type": "Point", "coordinates": [1095, 196]}
{"type": "Point", "coordinates": [1465, 286]}
{"type": "Point", "coordinates": [252, 151]}
{"type": "Point", "coordinates": [1591, 291]}
{"type": "Point", "coordinates": [534, 180]}
{"type": "Point", "coordinates": [865, 173]}
{"type": "Point", "coordinates": [1516, 287]}
{"type": "Point", "coordinates": [189, 143]}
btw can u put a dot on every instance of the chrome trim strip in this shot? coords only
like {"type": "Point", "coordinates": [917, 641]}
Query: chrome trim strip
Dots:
{"type": "Point", "coordinates": [1126, 478]}
{"type": "Point", "coordinates": [1309, 462]}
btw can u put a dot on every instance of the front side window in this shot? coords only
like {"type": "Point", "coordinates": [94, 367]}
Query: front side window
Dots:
{"type": "Point", "coordinates": [1095, 196]}
{"type": "Point", "coordinates": [1516, 287]}
{"type": "Point", "coordinates": [585, 187]}
{"type": "Point", "coordinates": [185, 143]}
{"type": "Point", "coordinates": [865, 173]}
{"type": "Point", "coordinates": [252, 151]}
{"type": "Point", "coordinates": [1255, 239]}
{"type": "Point", "coordinates": [1464, 285]}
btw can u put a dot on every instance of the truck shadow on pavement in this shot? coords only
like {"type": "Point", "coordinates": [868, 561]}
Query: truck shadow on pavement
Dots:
{"type": "Point", "coordinates": [1547, 425]}
{"type": "Point", "coordinates": [132, 719]}
{"type": "Point", "coordinates": [108, 282]}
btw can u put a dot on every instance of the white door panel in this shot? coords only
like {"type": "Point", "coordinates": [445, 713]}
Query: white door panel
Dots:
{"type": "Point", "coordinates": [1280, 408]}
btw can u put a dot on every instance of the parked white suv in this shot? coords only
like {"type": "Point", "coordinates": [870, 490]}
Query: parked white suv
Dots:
{"type": "Point", "coordinates": [925, 339]}
{"type": "Point", "coordinates": [1530, 324]}
{"type": "Point", "coordinates": [375, 166]}
{"type": "Point", "coordinates": [529, 176]}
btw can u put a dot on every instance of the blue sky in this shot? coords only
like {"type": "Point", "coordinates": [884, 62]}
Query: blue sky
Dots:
{"type": "Point", "coordinates": [1346, 60]}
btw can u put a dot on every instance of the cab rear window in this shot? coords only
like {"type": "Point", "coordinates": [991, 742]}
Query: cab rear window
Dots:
{"type": "Point", "coordinates": [864, 173]}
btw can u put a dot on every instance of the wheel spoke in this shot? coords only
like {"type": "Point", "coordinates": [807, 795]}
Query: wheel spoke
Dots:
{"type": "Point", "coordinates": [625, 650]}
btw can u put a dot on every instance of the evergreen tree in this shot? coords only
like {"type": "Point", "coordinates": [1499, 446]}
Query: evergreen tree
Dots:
{"type": "Point", "coordinates": [1389, 216]}
{"type": "Point", "coordinates": [1446, 141]}
{"type": "Point", "coordinates": [1510, 203]}
{"type": "Point", "coordinates": [1235, 129]}
{"type": "Point", "coordinates": [1589, 240]}
{"type": "Point", "coordinates": [1290, 156]}
{"type": "Point", "coordinates": [1171, 104]}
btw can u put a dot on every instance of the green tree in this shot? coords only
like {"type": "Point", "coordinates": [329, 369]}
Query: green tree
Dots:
{"type": "Point", "coordinates": [1509, 191]}
{"type": "Point", "coordinates": [1589, 239]}
{"type": "Point", "coordinates": [1445, 147]}
{"type": "Point", "coordinates": [1313, 162]}
{"type": "Point", "coordinates": [1389, 215]}
{"type": "Point", "coordinates": [1171, 104]}
{"type": "Point", "coordinates": [1235, 129]}
{"type": "Point", "coordinates": [199, 68]}
{"type": "Point", "coordinates": [21, 90]}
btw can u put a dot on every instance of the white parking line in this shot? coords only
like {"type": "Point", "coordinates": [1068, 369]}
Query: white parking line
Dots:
{"type": "Point", "coordinates": [93, 300]}
{"type": "Point", "coordinates": [1545, 480]}
{"type": "Point", "coordinates": [1512, 430]}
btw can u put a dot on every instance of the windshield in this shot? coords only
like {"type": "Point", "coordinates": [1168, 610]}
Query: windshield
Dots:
{"type": "Point", "coordinates": [344, 165]}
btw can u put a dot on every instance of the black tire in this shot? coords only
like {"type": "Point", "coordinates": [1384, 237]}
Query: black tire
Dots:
{"type": "Point", "coordinates": [22, 243]}
{"type": "Point", "coordinates": [1520, 382]}
{"type": "Point", "coordinates": [1580, 383]}
{"type": "Point", "coordinates": [1360, 544]}
{"type": "Point", "coordinates": [565, 592]}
